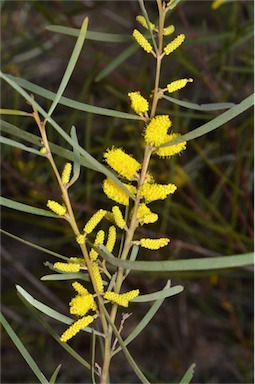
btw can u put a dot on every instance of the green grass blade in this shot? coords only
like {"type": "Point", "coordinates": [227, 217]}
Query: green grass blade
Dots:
{"type": "Point", "coordinates": [65, 276]}
{"type": "Point", "coordinates": [16, 144]}
{"type": "Point", "coordinates": [68, 102]}
{"type": "Point", "coordinates": [26, 208]}
{"type": "Point", "coordinates": [215, 123]}
{"type": "Point", "coordinates": [96, 36]}
{"type": "Point", "coordinates": [71, 64]}
{"type": "Point", "coordinates": [22, 349]}
{"type": "Point", "coordinates": [202, 264]}
{"type": "Point", "coordinates": [14, 112]}
{"type": "Point", "coordinates": [55, 375]}
{"type": "Point", "coordinates": [163, 294]}
{"type": "Point", "coordinates": [200, 107]}
{"type": "Point", "coordinates": [47, 310]}
{"type": "Point", "coordinates": [188, 375]}
{"type": "Point", "coordinates": [45, 250]}
{"type": "Point", "coordinates": [77, 157]}
{"type": "Point", "coordinates": [117, 61]}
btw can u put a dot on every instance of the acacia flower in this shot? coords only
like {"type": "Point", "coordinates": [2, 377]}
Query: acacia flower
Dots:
{"type": "Point", "coordinates": [156, 130]}
{"type": "Point", "coordinates": [111, 238]}
{"type": "Point", "coordinates": [94, 220]}
{"type": "Point", "coordinates": [154, 243]}
{"type": "Point", "coordinates": [56, 207]}
{"type": "Point", "coordinates": [81, 304]}
{"type": "Point", "coordinates": [122, 163]}
{"type": "Point", "coordinates": [121, 298]}
{"type": "Point", "coordinates": [168, 30]}
{"type": "Point", "coordinates": [114, 192]}
{"type": "Point", "coordinates": [173, 45]}
{"type": "Point", "coordinates": [65, 177]}
{"type": "Point", "coordinates": [171, 149]}
{"type": "Point", "coordinates": [138, 103]}
{"type": "Point", "coordinates": [119, 220]}
{"type": "Point", "coordinates": [142, 41]}
{"type": "Point", "coordinates": [78, 287]}
{"type": "Point", "coordinates": [177, 84]}
{"type": "Point", "coordinates": [152, 192]}
{"type": "Point", "coordinates": [145, 216]}
{"type": "Point", "coordinates": [141, 19]}
{"type": "Point", "coordinates": [67, 267]}
{"type": "Point", "coordinates": [43, 150]}
{"type": "Point", "coordinates": [76, 327]}
{"type": "Point", "coordinates": [97, 276]}
{"type": "Point", "coordinates": [80, 239]}
{"type": "Point", "coordinates": [93, 254]}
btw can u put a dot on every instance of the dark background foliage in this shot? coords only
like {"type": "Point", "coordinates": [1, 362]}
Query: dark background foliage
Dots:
{"type": "Point", "coordinates": [211, 214]}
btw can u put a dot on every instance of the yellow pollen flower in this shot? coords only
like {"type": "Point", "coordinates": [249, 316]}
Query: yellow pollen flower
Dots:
{"type": "Point", "coordinates": [65, 177]}
{"type": "Point", "coordinates": [177, 84]}
{"type": "Point", "coordinates": [121, 298]}
{"type": "Point", "coordinates": [80, 239]}
{"type": "Point", "coordinates": [76, 327]}
{"type": "Point", "coordinates": [143, 22]}
{"type": "Point", "coordinates": [156, 130]}
{"type": "Point", "coordinates": [138, 103]}
{"type": "Point", "coordinates": [111, 238]}
{"type": "Point", "coordinates": [81, 304]}
{"type": "Point", "coordinates": [145, 215]}
{"type": "Point", "coordinates": [117, 214]}
{"type": "Point", "coordinates": [67, 267]}
{"type": "Point", "coordinates": [97, 276]}
{"type": "Point", "coordinates": [122, 163]}
{"type": "Point", "coordinates": [114, 192]}
{"type": "Point", "coordinates": [79, 288]}
{"type": "Point", "coordinates": [94, 220]}
{"type": "Point", "coordinates": [56, 207]}
{"type": "Point", "coordinates": [171, 149]}
{"type": "Point", "coordinates": [142, 41]}
{"type": "Point", "coordinates": [98, 240]}
{"type": "Point", "coordinates": [154, 243]}
{"type": "Point", "coordinates": [168, 30]}
{"type": "Point", "coordinates": [152, 192]}
{"type": "Point", "coordinates": [173, 45]}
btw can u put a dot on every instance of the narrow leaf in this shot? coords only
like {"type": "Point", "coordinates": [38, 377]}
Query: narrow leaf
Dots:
{"type": "Point", "coordinates": [16, 144]}
{"type": "Point", "coordinates": [55, 375]}
{"type": "Point", "coordinates": [26, 208]}
{"type": "Point", "coordinates": [22, 349]}
{"type": "Point", "coordinates": [159, 295]}
{"type": "Point", "coordinates": [188, 375]}
{"type": "Point", "coordinates": [14, 112]}
{"type": "Point", "coordinates": [200, 107]}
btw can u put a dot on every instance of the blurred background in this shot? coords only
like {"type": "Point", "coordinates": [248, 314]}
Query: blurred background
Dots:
{"type": "Point", "coordinates": [211, 214]}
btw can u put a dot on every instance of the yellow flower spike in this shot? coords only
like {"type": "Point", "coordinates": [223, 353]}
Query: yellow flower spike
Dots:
{"type": "Point", "coordinates": [152, 192]}
{"type": "Point", "coordinates": [171, 149]}
{"type": "Point", "coordinates": [168, 30]}
{"type": "Point", "coordinates": [142, 41]}
{"type": "Point", "coordinates": [66, 173]}
{"type": "Point", "coordinates": [145, 215]}
{"type": "Point", "coordinates": [80, 239]}
{"type": "Point", "coordinates": [121, 298]}
{"type": "Point", "coordinates": [67, 267]}
{"type": "Point", "coordinates": [111, 238]}
{"type": "Point", "coordinates": [114, 192]}
{"type": "Point", "coordinates": [177, 84]}
{"type": "Point", "coordinates": [79, 288]}
{"type": "Point", "coordinates": [56, 207]}
{"type": "Point", "coordinates": [173, 45]}
{"type": "Point", "coordinates": [138, 103]}
{"type": "Point", "coordinates": [97, 276]}
{"type": "Point", "coordinates": [143, 22]}
{"type": "Point", "coordinates": [119, 220]}
{"type": "Point", "coordinates": [81, 304]}
{"type": "Point", "coordinates": [94, 220]}
{"type": "Point", "coordinates": [98, 240]}
{"type": "Point", "coordinates": [76, 327]}
{"type": "Point", "coordinates": [156, 130]}
{"type": "Point", "coordinates": [122, 163]}
{"type": "Point", "coordinates": [154, 243]}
